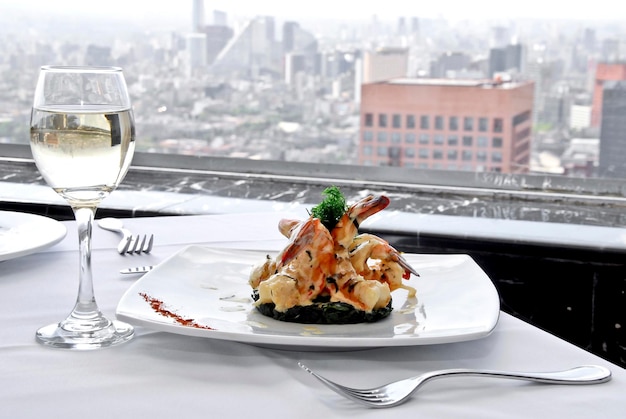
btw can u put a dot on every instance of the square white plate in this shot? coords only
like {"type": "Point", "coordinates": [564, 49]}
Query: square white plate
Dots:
{"type": "Point", "coordinates": [202, 291]}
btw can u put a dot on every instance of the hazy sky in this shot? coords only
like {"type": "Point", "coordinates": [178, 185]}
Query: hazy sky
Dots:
{"type": "Point", "coordinates": [452, 9]}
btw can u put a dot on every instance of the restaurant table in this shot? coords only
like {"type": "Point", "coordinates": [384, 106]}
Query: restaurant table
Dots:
{"type": "Point", "coordinates": [165, 375]}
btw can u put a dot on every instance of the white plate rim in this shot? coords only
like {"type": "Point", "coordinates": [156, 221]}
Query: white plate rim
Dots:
{"type": "Point", "coordinates": [29, 233]}
{"type": "Point", "coordinates": [146, 317]}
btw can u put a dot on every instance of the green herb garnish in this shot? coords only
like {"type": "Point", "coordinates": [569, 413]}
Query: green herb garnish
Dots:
{"type": "Point", "coordinates": [330, 210]}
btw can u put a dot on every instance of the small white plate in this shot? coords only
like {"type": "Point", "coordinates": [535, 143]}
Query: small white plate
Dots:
{"type": "Point", "coordinates": [22, 234]}
{"type": "Point", "coordinates": [207, 287]}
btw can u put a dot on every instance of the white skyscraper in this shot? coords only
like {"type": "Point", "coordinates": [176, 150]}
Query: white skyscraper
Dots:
{"type": "Point", "coordinates": [385, 64]}
{"type": "Point", "coordinates": [196, 53]}
{"type": "Point", "coordinates": [198, 16]}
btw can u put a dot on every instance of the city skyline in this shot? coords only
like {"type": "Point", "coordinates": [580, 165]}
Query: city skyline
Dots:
{"type": "Point", "coordinates": [242, 101]}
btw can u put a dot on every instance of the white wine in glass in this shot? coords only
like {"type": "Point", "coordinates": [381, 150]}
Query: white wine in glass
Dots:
{"type": "Point", "coordinates": [82, 137]}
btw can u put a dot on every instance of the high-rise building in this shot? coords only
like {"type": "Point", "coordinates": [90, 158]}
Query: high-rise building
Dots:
{"type": "Point", "coordinates": [447, 124]}
{"type": "Point", "coordinates": [196, 53]}
{"type": "Point", "coordinates": [385, 64]}
{"type": "Point", "coordinates": [197, 16]}
{"type": "Point", "coordinates": [220, 18]}
{"type": "Point", "coordinates": [605, 71]}
{"type": "Point", "coordinates": [332, 64]}
{"type": "Point", "coordinates": [500, 36]}
{"type": "Point", "coordinates": [448, 63]}
{"type": "Point", "coordinates": [509, 58]}
{"type": "Point", "coordinates": [580, 117]}
{"type": "Point", "coordinates": [402, 29]}
{"type": "Point", "coordinates": [613, 130]}
{"type": "Point", "coordinates": [217, 37]}
{"type": "Point", "coordinates": [299, 51]}
{"type": "Point", "coordinates": [253, 49]}
{"type": "Point", "coordinates": [589, 39]}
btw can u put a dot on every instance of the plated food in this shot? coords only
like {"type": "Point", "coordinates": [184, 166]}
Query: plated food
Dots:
{"type": "Point", "coordinates": [328, 273]}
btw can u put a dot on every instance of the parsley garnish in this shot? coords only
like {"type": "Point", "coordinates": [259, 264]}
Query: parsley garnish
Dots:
{"type": "Point", "coordinates": [330, 210]}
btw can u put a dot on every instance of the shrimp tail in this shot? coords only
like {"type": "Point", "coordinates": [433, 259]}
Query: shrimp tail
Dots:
{"type": "Point", "coordinates": [286, 226]}
{"type": "Point", "coordinates": [367, 207]}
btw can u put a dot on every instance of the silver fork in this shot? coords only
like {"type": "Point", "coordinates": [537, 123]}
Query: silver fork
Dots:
{"type": "Point", "coordinates": [128, 244]}
{"type": "Point", "coordinates": [398, 392]}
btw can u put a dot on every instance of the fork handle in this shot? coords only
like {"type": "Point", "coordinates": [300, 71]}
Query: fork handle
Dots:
{"type": "Point", "coordinates": [116, 225]}
{"type": "Point", "coordinates": [585, 374]}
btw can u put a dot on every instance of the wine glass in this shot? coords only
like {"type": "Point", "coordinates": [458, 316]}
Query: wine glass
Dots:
{"type": "Point", "coordinates": [82, 137]}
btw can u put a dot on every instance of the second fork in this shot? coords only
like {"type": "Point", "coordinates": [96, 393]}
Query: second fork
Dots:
{"type": "Point", "coordinates": [128, 244]}
{"type": "Point", "coordinates": [137, 244]}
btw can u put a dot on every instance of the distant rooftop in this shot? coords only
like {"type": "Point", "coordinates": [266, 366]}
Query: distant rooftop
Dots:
{"type": "Point", "coordinates": [455, 82]}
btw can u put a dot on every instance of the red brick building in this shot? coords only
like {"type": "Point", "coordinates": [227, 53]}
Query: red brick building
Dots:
{"type": "Point", "coordinates": [604, 72]}
{"type": "Point", "coordinates": [448, 124]}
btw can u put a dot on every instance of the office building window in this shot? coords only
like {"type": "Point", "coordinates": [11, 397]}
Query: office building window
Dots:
{"type": "Point", "coordinates": [437, 154]}
{"type": "Point", "coordinates": [369, 120]}
{"type": "Point", "coordinates": [438, 139]}
{"type": "Point", "coordinates": [453, 154]}
{"type": "Point", "coordinates": [410, 121]}
{"type": "Point", "coordinates": [520, 118]}
{"type": "Point", "coordinates": [453, 140]}
{"type": "Point", "coordinates": [368, 136]}
{"type": "Point", "coordinates": [496, 142]}
{"type": "Point", "coordinates": [468, 123]}
{"type": "Point", "coordinates": [409, 138]}
{"type": "Point", "coordinates": [367, 150]}
{"type": "Point", "coordinates": [396, 137]}
{"type": "Point", "coordinates": [424, 138]}
{"type": "Point", "coordinates": [423, 153]}
{"type": "Point", "coordinates": [381, 136]}
{"type": "Point", "coordinates": [481, 155]}
{"type": "Point", "coordinates": [382, 120]}
{"type": "Point", "coordinates": [482, 141]}
{"type": "Point", "coordinates": [424, 122]}
{"type": "Point", "coordinates": [396, 121]}
{"type": "Point", "coordinates": [466, 155]}
{"type": "Point", "coordinates": [497, 125]}
{"type": "Point", "coordinates": [483, 124]}
{"type": "Point", "coordinates": [439, 122]}
{"type": "Point", "coordinates": [496, 157]}
{"type": "Point", "coordinates": [409, 152]}
{"type": "Point", "coordinates": [381, 151]}
{"type": "Point", "coordinates": [468, 140]}
{"type": "Point", "coordinates": [453, 123]}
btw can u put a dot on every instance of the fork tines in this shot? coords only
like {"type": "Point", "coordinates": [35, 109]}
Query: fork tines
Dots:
{"type": "Point", "coordinates": [138, 244]}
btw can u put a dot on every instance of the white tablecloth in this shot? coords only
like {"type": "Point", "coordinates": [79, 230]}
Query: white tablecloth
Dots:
{"type": "Point", "coordinates": [161, 375]}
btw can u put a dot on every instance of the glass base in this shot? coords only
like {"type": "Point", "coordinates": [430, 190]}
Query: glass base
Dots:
{"type": "Point", "coordinates": [64, 335]}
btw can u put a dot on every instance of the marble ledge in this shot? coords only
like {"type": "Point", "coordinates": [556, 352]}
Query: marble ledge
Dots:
{"type": "Point", "coordinates": [522, 232]}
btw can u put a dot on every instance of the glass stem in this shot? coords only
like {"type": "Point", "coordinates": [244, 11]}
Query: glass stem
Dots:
{"type": "Point", "coordinates": [86, 314]}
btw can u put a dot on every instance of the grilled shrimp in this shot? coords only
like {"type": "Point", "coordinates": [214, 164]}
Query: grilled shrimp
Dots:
{"type": "Point", "coordinates": [348, 225]}
{"type": "Point", "coordinates": [262, 271]}
{"type": "Point", "coordinates": [362, 293]}
{"type": "Point", "coordinates": [374, 258]}
{"type": "Point", "coordinates": [360, 270]}
{"type": "Point", "coordinates": [301, 268]}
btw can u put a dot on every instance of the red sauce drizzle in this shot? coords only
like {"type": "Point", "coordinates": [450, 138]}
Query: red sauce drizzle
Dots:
{"type": "Point", "coordinates": [159, 306]}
